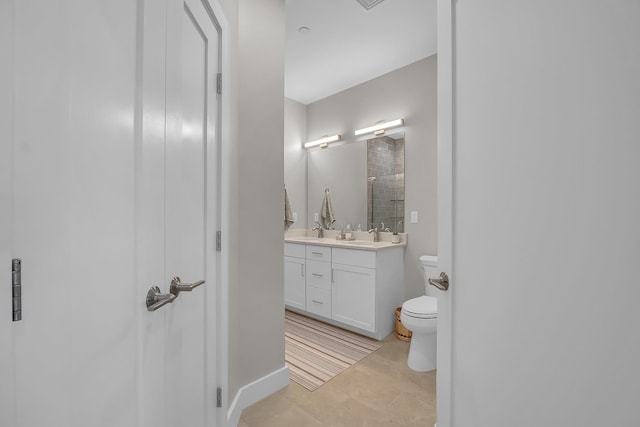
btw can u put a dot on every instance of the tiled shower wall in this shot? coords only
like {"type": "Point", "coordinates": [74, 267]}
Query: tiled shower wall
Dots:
{"type": "Point", "coordinates": [385, 184]}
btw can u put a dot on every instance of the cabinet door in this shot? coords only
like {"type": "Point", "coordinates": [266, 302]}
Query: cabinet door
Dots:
{"type": "Point", "coordinates": [294, 282]}
{"type": "Point", "coordinates": [353, 299]}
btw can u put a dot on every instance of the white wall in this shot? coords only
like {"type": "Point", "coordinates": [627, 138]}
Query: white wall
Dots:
{"type": "Point", "coordinates": [295, 159]}
{"type": "Point", "coordinates": [409, 92]}
{"type": "Point", "coordinates": [546, 308]}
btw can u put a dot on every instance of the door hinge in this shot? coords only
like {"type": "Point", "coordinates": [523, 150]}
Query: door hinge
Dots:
{"type": "Point", "coordinates": [219, 397]}
{"type": "Point", "coordinates": [16, 288]}
{"type": "Point", "coordinates": [218, 241]}
{"type": "Point", "coordinates": [219, 83]}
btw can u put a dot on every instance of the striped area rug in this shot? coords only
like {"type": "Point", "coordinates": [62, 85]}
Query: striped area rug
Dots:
{"type": "Point", "coordinates": [315, 352]}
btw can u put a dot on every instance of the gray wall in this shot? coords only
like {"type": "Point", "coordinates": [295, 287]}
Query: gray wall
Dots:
{"type": "Point", "coordinates": [546, 293]}
{"type": "Point", "coordinates": [256, 295]}
{"type": "Point", "coordinates": [409, 92]}
{"type": "Point", "coordinates": [295, 159]}
{"type": "Point", "coordinates": [346, 181]}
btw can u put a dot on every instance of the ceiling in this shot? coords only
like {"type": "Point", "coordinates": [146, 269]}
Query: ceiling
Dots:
{"type": "Point", "coordinates": [346, 45]}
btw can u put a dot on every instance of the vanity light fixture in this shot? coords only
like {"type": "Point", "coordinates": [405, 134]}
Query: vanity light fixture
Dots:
{"type": "Point", "coordinates": [323, 142]}
{"type": "Point", "coordinates": [379, 128]}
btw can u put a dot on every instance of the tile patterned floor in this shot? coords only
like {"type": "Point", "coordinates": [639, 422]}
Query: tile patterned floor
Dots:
{"type": "Point", "coordinates": [380, 390]}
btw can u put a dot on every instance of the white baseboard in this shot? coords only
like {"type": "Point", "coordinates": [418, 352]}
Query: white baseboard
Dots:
{"type": "Point", "coordinates": [256, 391]}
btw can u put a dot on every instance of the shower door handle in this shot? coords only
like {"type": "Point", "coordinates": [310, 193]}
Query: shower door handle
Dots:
{"type": "Point", "coordinates": [177, 286]}
{"type": "Point", "coordinates": [441, 283]}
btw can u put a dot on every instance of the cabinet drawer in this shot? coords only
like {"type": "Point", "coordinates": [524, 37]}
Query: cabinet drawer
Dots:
{"type": "Point", "coordinates": [357, 257]}
{"type": "Point", "coordinates": [319, 274]}
{"type": "Point", "coordinates": [319, 301]}
{"type": "Point", "coordinates": [294, 250]}
{"type": "Point", "coordinates": [319, 253]}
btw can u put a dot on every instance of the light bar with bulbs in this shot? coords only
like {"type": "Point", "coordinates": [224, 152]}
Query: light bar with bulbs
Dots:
{"type": "Point", "coordinates": [323, 142]}
{"type": "Point", "coordinates": [379, 128]}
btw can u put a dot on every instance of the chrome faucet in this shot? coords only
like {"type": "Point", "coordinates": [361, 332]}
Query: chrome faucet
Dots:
{"type": "Point", "coordinates": [318, 228]}
{"type": "Point", "coordinates": [374, 230]}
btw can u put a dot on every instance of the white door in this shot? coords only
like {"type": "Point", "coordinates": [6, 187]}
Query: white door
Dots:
{"type": "Point", "coordinates": [546, 208]}
{"type": "Point", "coordinates": [7, 383]}
{"type": "Point", "coordinates": [191, 210]}
{"type": "Point", "coordinates": [109, 185]}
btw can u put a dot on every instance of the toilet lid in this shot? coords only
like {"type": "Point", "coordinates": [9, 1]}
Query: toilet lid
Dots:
{"type": "Point", "coordinates": [424, 306]}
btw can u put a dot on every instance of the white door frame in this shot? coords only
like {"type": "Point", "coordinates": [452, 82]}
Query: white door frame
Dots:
{"type": "Point", "coordinates": [445, 207]}
{"type": "Point", "coordinates": [224, 159]}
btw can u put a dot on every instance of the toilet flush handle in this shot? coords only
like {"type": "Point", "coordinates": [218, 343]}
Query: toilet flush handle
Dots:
{"type": "Point", "coordinates": [441, 283]}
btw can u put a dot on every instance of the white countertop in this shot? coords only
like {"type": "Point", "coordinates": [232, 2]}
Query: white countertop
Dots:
{"type": "Point", "coordinates": [363, 240]}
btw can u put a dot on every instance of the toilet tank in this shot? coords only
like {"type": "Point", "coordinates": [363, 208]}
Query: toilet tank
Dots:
{"type": "Point", "coordinates": [429, 269]}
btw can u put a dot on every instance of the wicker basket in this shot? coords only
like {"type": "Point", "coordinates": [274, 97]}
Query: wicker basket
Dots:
{"type": "Point", "coordinates": [402, 333]}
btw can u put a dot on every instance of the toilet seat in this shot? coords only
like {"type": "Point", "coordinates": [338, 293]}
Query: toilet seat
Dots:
{"type": "Point", "coordinates": [424, 307]}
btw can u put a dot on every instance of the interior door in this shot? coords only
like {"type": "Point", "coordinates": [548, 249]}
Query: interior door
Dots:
{"type": "Point", "coordinates": [7, 384]}
{"type": "Point", "coordinates": [191, 208]}
{"type": "Point", "coordinates": [72, 83]}
{"type": "Point", "coordinates": [108, 182]}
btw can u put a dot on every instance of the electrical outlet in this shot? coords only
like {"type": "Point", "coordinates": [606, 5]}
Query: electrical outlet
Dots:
{"type": "Point", "coordinates": [316, 217]}
{"type": "Point", "coordinates": [414, 217]}
{"type": "Point", "coordinates": [295, 216]}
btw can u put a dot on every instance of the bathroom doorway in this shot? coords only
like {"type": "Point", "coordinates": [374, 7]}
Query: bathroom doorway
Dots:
{"type": "Point", "coordinates": [328, 69]}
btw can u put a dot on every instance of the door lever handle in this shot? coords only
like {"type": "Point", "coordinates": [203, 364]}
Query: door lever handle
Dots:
{"type": "Point", "coordinates": [156, 299]}
{"type": "Point", "coordinates": [441, 283]}
{"type": "Point", "coordinates": [177, 286]}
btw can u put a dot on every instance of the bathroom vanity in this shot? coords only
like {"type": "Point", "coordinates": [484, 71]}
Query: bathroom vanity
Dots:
{"type": "Point", "coordinates": [356, 285]}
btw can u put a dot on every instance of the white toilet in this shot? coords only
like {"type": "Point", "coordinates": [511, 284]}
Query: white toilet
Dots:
{"type": "Point", "coordinates": [420, 316]}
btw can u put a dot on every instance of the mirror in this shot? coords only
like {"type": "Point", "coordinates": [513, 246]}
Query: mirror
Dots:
{"type": "Point", "coordinates": [385, 182]}
{"type": "Point", "coordinates": [345, 169]}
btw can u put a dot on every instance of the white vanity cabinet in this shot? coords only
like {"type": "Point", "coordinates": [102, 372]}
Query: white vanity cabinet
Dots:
{"type": "Point", "coordinates": [294, 276]}
{"type": "Point", "coordinates": [354, 288]}
{"type": "Point", "coordinates": [367, 288]}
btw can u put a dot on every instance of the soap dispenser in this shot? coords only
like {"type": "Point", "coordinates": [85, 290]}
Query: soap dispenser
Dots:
{"type": "Point", "coordinates": [348, 233]}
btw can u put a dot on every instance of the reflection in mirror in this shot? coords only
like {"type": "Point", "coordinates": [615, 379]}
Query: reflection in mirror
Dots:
{"type": "Point", "coordinates": [344, 168]}
{"type": "Point", "coordinates": [385, 182]}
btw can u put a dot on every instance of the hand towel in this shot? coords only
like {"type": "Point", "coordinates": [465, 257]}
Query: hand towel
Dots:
{"type": "Point", "coordinates": [288, 214]}
{"type": "Point", "coordinates": [326, 212]}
